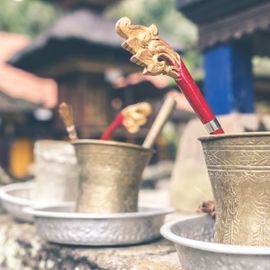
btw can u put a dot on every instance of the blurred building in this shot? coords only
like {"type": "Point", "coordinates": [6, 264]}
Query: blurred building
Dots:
{"type": "Point", "coordinates": [231, 33]}
{"type": "Point", "coordinates": [21, 96]}
{"type": "Point", "coordinates": [80, 52]}
{"type": "Point", "coordinates": [83, 53]}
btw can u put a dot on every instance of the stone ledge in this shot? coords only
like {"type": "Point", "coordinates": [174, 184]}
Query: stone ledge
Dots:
{"type": "Point", "coordinates": [22, 249]}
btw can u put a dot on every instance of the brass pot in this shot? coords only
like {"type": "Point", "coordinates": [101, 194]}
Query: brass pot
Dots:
{"type": "Point", "coordinates": [239, 170]}
{"type": "Point", "coordinates": [110, 175]}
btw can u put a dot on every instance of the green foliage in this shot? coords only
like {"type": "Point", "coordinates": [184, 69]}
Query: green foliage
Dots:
{"type": "Point", "coordinates": [163, 13]}
{"type": "Point", "coordinates": [26, 16]}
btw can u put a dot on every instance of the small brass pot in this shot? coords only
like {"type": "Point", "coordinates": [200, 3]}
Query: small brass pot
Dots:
{"type": "Point", "coordinates": [239, 170]}
{"type": "Point", "coordinates": [110, 175]}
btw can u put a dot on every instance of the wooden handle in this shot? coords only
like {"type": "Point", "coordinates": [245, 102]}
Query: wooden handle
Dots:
{"type": "Point", "coordinates": [162, 117]}
{"type": "Point", "coordinates": [65, 113]}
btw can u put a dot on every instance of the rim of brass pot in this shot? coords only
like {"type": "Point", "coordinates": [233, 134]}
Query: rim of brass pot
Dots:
{"type": "Point", "coordinates": [111, 143]}
{"type": "Point", "coordinates": [234, 135]}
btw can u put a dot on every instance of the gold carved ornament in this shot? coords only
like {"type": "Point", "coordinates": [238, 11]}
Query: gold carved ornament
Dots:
{"type": "Point", "coordinates": [148, 49]}
{"type": "Point", "coordinates": [134, 116]}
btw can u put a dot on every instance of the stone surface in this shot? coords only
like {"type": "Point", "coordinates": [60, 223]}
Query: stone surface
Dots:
{"type": "Point", "coordinates": [22, 249]}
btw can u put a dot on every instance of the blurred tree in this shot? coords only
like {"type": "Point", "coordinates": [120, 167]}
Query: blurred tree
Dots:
{"type": "Point", "coordinates": [163, 13]}
{"type": "Point", "coordinates": [26, 16]}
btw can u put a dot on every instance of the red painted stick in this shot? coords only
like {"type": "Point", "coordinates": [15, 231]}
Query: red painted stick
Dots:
{"type": "Point", "coordinates": [132, 118]}
{"type": "Point", "coordinates": [197, 100]}
{"type": "Point", "coordinates": [112, 127]}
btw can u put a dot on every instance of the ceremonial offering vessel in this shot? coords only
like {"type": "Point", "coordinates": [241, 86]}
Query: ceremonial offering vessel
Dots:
{"type": "Point", "coordinates": [239, 170]}
{"type": "Point", "coordinates": [110, 175]}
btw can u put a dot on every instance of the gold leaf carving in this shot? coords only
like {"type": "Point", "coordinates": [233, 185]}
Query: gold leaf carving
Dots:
{"type": "Point", "coordinates": [148, 49]}
{"type": "Point", "coordinates": [135, 116]}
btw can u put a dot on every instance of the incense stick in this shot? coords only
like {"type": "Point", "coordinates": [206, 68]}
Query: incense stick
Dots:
{"type": "Point", "coordinates": [66, 115]}
{"type": "Point", "coordinates": [157, 57]}
{"type": "Point", "coordinates": [162, 117]}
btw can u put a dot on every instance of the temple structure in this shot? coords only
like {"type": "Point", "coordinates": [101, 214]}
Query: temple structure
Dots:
{"type": "Point", "coordinates": [230, 34]}
{"type": "Point", "coordinates": [81, 52]}
{"type": "Point", "coordinates": [22, 96]}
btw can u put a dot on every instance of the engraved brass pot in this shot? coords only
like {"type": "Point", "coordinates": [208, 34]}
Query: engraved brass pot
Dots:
{"type": "Point", "coordinates": [239, 170]}
{"type": "Point", "coordinates": [110, 175]}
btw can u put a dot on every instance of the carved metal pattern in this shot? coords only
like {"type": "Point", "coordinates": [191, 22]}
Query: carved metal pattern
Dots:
{"type": "Point", "coordinates": [239, 170]}
{"type": "Point", "coordinates": [110, 175]}
{"type": "Point", "coordinates": [102, 231]}
{"type": "Point", "coordinates": [148, 49]}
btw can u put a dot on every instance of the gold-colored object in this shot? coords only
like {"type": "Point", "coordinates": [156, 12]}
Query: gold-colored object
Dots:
{"type": "Point", "coordinates": [135, 116]}
{"type": "Point", "coordinates": [110, 175]}
{"type": "Point", "coordinates": [148, 49]}
{"type": "Point", "coordinates": [239, 170]}
{"type": "Point", "coordinates": [65, 112]}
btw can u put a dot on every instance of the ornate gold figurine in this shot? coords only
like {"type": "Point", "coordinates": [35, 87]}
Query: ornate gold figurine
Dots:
{"type": "Point", "coordinates": [157, 57]}
{"type": "Point", "coordinates": [134, 116]}
{"type": "Point", "coordinates": [148, 49]}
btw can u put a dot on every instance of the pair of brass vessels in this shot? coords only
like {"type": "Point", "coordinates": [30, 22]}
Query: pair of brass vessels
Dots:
{"type": "Point", "coordinates": [238, 167]}
{"type": "Point", "coordinates": [238, 164]}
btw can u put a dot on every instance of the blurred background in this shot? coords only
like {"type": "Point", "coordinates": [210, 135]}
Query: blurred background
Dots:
{"type": "Point", "coordinates": [67, 50]}
{"type": "Point", "coordinates": [53, 51]}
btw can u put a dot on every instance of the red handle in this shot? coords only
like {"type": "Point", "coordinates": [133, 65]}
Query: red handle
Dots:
{"type": "Point", "coordinates": [107, 134]}
{"type": "Point", "coordinates": [197, 100]}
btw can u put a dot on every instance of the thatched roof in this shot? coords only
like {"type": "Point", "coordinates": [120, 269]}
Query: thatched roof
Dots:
{"type": "Point", "coordinates": [81, 39]}
{"type": "Point", "coordinates": [225, 20]}
{"type": "Point", "coordinates": [81, 34]}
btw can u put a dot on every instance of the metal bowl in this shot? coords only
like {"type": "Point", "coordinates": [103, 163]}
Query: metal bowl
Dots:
{"type": "Point", "coordinates": [193, 238]}
{"type": "Point", "coordinates": [15, 197]}
{"type": "Point", "coordinates": [60, 224]}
